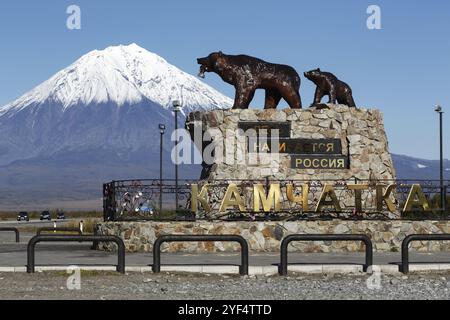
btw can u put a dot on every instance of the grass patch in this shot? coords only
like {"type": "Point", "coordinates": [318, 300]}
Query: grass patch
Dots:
{"type": "Point", "coordinates": [88, 227]}
{"type": "Point", "coordinates": [88, 224]}
{"type": "Point", "coordinates": [31, 229]}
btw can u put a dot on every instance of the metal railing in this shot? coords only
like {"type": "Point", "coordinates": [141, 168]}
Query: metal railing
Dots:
{"type": "Point", "coordinates": [138, 199]}
{"type": "Point", "coordinates": [67, 238]}
{"type": "Point", "coordinates": [283, 268]}
{"type": "Point", "coordinates": [243, 268]}
{"type": "Point", "coordinates": [10, 229]}
{"type": "Point", "coordinates": [49, 229]}
{"type": "Point", "coordinates": [417, 237]}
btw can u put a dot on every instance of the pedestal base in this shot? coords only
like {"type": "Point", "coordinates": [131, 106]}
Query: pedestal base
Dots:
{"type": "Point", "coordinates": [266, 236]}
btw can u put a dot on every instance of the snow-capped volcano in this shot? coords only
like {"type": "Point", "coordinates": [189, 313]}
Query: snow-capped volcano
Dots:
{"type": "Point", "coordinates": [111, 99]}
{"type": "Point", "coordinates": [121, 75]}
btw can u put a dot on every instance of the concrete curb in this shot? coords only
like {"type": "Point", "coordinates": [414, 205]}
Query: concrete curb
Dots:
{"type": "Point", "coordinates": [253, 270]}
{"type": "Point", "coordinates": [429, 267]}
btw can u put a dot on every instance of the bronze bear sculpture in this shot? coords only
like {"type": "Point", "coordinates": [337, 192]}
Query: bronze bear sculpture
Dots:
{"type": "Point", "coordinates": [247, 74]}
{"type": "Point", "coordinates": [328, 85]}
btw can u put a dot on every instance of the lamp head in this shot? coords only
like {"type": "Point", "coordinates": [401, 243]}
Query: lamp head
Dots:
{"type": "Point", "coordinates": [162, 128]}
{"type": "Point", "coordinates": [176, 105]}
{"type": "Point", "coordinates": [438, 109]}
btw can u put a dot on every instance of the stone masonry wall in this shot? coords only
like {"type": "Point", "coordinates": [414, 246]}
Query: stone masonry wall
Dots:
{"type": "Point", "coordinates": [265, 236]}
{"type": "Point", "coordinates": [361, 132]}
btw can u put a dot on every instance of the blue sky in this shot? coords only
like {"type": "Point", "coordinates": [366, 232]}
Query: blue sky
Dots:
{"type": "Point", "coordinates": [402, 69]}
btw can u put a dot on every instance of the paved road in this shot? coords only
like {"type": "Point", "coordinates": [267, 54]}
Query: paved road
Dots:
{"type": "Point", "coordinates": [12, 254]}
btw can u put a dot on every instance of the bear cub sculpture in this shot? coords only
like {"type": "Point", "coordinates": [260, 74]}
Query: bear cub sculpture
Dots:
{"type": "Point", "coordinates": [328, 85]}
{"type": "Point", "coordinates": [247, 74]}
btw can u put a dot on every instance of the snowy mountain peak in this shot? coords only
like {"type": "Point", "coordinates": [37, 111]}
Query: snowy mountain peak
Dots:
{"type": "Point", "coordinates": [121, 75]}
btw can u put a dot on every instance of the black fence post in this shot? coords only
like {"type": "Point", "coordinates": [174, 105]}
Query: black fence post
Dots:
{"type": "Point", "coordinates": [283, 267]}
{"type": "Point", "coordinates": [120, 255]}
{"type": "Point", "coordinates": [67, 238]}
{"type": "Point", "coordinates": [418, 237]}
{"type": "Point", "coordinates": [30, 254]}
{"type": "Point", "coordinates": [11, 229]}
{"type": "Point", "coordinates": [95, 243]}
{"type": "Point", "coordinates": [404, 267]}
{"type": "Point", "coordinates": [243, 268]}
{"type": "Point", "coordinates": [156, 267]}
{"type": "Point", "coordinates": [369, 253]}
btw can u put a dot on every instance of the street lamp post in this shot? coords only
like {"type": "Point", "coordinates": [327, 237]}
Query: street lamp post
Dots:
{"type": "Point", "coordinates": [438, 109]}
{"type": "Point", "coordinates": [176, 109]}
{"type": "Point", "coordinates": [162, 129]}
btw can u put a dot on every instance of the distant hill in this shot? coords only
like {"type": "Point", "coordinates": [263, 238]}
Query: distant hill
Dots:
{"type": "Point", "coordinates": [74, 179]}
{"type": "Point", "coordinates": [415, 168]}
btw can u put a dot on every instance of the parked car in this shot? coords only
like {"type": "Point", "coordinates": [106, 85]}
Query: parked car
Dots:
{"type": "Point", "coordinates": [45, 215]}
{"type": "Point", "coordinates": [23, 216]}
{"type": "Point", "coordinates": [60, 215]}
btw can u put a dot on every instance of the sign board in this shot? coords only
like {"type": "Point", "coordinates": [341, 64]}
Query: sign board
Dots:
{"type": "Point", "coordinates": [319, 162]}
{"type": "Point", "coordinates": [317, 154]}
{"type": "Point", "coordinates": [295, 146]}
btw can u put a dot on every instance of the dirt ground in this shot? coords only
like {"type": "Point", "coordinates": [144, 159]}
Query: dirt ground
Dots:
{"type": "Point", "coordinates": [148, 286]}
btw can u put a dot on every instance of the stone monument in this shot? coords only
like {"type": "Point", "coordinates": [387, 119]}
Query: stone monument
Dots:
{"type": "Point", "coordinates": [316, 147]}
{"type": "Point", "coordinates": [338, 143]}
{"type": "Point", "coordinates": [354, 145]}
{"type": "Point", "coordinates": [304, 156]}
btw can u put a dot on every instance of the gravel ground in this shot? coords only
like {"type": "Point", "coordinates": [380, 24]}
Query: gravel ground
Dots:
{"type": "Point", "coordinates": [198, 287]}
